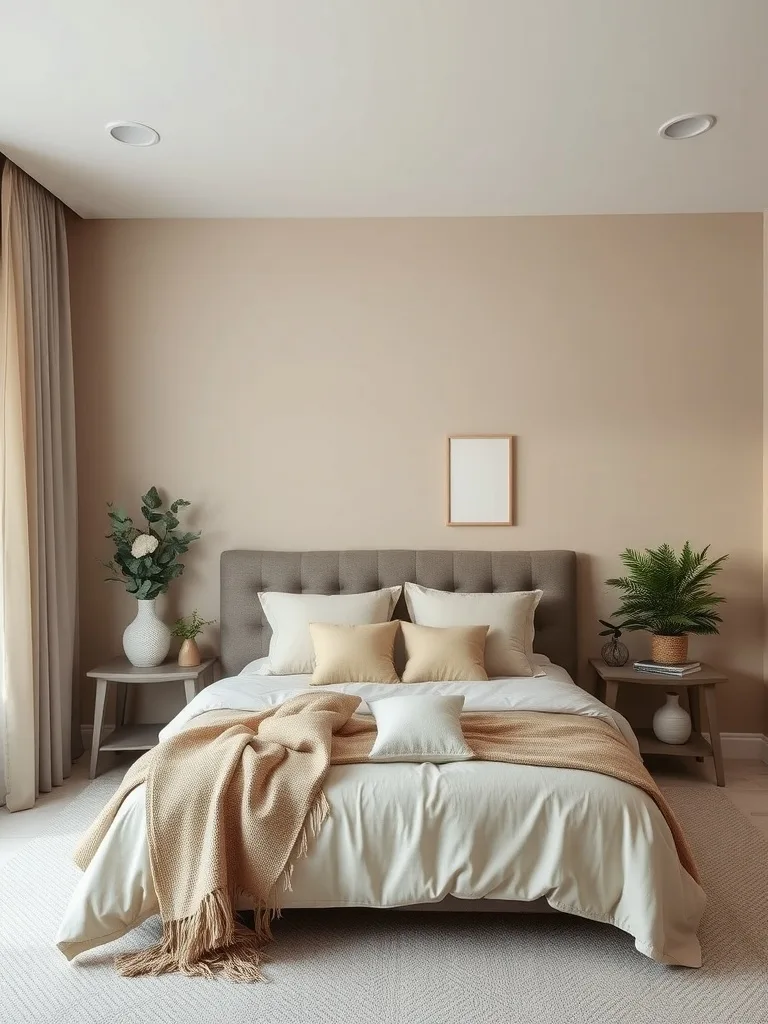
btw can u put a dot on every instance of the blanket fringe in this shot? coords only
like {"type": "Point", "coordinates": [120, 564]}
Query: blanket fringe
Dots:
{"type": "Point", "coordinates": [211, 941]}
{"type": "Point", "coordinates": [207, 943]}
{"type": "Point", "coordinates": [318, 812]}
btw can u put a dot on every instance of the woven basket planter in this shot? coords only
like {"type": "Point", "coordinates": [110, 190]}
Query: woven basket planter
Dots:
{"type": "Point", "coordinates": [669, 650]}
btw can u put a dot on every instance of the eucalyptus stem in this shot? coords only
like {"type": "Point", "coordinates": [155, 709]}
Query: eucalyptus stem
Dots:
{"type": "Point", "coordinates": [147, 561]}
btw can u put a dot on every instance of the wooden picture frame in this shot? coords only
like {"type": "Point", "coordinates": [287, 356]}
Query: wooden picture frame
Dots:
{"type": "Point", "coordinates": [480, 480]}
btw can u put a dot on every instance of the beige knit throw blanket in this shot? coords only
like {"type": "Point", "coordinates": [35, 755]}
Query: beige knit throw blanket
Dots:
{"type": "Point", "coordinates": [232, 799]}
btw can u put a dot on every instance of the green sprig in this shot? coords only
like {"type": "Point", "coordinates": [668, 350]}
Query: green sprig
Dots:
{"type": "Point", "coordinates": [189, 626]}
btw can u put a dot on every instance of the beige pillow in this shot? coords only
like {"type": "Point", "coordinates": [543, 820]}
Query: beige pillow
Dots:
{"type": "Point", "coordinates": [354, 654]}
{"type": "Point", "coordinates": [440, 655]}
{"type": "Point", "coordinates": [509, 616]}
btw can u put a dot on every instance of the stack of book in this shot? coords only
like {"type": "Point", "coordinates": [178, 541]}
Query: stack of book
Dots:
{"type": "Point", "coordinates": [686, 669]}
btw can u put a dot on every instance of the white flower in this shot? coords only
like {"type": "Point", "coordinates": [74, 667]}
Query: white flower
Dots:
{"type": "Point", "coordinates": [144, 544]}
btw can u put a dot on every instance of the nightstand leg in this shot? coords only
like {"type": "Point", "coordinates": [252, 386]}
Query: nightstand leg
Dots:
{"type": "Point", "coordinates": [611, 693]}
{"type": "Point", "coordinates": [122, 697]}
{"type": "Point", "coordinates": [714, 733]}
{"type": "Point", "coordinates": [189, 690]}
{"type": "Point", "coordinates": [694, 706]}
{"type": "Point", "coordinates": [98, 724]}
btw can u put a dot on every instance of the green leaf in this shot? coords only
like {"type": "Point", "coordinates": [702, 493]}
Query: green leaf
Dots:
{"type": "Point", "coordinates": [187, 538]}
{"type": "Point", "coordinates": [179, 503]}
{"type": "Point", "coordinates": [151, 517]}
{"type": "Point", "coordinates": [151, 499]}
{"type": "Point", "coordinates": [117, 514]}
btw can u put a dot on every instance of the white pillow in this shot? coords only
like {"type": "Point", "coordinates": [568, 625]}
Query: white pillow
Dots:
{"type": "Point", "coordinates": [420, 729]}
{"type": "Point", "coordinates": [509, 616]}
{"type": "Point", "coordinates": [290, 648]}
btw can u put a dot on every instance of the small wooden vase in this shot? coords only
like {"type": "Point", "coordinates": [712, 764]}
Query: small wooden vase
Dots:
{"type": "Point", "coordinates": [189, 654]}
{"type": "Point", "coordinates": [669, 650]}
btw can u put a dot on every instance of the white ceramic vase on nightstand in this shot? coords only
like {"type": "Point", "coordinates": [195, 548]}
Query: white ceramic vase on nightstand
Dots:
{"type": "Point", "coordinates": [671, 723]}
{"type": "Point", "coordinates": [146, 640]}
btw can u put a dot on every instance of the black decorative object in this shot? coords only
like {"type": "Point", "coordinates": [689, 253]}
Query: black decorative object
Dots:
{"type": "Point", "coordinates": [614, 653]}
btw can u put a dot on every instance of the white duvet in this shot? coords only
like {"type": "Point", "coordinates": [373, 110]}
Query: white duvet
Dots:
{"type": "Point", "coordinates": [400, 834]}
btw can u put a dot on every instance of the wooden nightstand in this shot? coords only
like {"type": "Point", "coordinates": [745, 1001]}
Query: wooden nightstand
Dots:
{"type": "Point", "coordinates": [121, 672]}
{"type": "Point", "coordinates": [703, 683]}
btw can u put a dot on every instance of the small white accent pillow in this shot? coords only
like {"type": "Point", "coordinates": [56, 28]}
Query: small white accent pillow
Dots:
{"type": "Point", "coordinates": [290, 648]}
{"type": "Point", "coordinates": [509, 616]}
{"type": "Point", "coordinates": [426, 728]}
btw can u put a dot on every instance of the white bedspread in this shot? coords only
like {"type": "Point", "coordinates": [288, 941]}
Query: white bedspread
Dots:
{"type": "Point", "coordinates": [400, 834]}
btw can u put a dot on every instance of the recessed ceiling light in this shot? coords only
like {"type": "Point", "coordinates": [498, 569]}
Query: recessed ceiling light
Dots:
{"type": "Point", "coordinates": [686, 126]}
{"type": "Point", "coordinates": [131, 133]}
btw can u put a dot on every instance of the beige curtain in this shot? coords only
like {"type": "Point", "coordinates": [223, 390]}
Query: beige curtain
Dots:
{"type": "Point", "coordinates": [38, 496]}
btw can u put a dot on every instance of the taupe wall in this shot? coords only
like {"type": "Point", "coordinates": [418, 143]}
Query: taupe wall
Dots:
{"type": "Point", "coordinates": [296, 380]}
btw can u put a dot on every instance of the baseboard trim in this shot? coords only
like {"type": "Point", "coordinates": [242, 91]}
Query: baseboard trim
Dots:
{"type": "Point", "coordinates": [86, 732]}
{"type": "Point", "coordinates": [744, 746]}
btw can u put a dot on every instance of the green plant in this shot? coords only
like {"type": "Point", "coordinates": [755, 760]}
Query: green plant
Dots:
{"type": "Point", "coordinates": [666, 593]}
{"type": "Point", "coordinates": [146, 561]}
{"type": "Point", "coordinates": [610, 630]}
{"type": "Point", "coordinates": [190, 626]}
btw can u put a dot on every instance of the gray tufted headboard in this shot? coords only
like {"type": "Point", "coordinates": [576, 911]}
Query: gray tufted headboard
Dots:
{"type": "Point", "coordinates": [245, 632]}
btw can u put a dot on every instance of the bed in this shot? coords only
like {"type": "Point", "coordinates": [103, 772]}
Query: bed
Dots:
{"type": "Point", "coordinates": [472, 835]}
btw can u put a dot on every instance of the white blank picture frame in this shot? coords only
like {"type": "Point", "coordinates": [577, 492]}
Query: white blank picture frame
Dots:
{"type": "Point", "coordinates": [480, 480]}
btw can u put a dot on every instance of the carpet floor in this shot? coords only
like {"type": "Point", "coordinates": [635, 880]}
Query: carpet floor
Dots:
{"type": "Point", "coordinates": [359, 967]}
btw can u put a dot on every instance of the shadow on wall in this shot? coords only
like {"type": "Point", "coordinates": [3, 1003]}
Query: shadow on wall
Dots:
{"type": "Point", "coordinates": [586, 596]}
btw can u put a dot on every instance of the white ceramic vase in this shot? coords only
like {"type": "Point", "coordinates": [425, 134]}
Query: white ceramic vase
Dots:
{"type": "Point", "coordinates": [671, 723]}
{"type": "Point", "coordinates": [147, 639]}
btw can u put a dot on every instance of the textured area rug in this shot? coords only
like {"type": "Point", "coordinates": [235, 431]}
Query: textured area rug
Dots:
{"type": "Point", "coordinates": [358, 967]}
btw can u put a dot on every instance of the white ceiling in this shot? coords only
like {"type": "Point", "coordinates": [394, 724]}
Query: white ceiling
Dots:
{"type": "Point", "coordinates": [314, 108]}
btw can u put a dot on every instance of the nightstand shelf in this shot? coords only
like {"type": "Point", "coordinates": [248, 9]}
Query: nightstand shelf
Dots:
{"type": "Point", "coordinates": [696, 746]}
{"type": "Point", "coordinates": [122, 674]}
{"type": "Point", "coordinates": [132, 737]}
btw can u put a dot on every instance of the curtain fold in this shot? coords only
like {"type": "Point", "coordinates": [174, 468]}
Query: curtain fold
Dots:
{"type": "Point", "coordinates": [38, 496]}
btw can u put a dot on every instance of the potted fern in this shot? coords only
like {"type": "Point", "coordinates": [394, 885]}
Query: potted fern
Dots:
{"type": "Point", "coordinates": [669, 595]}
